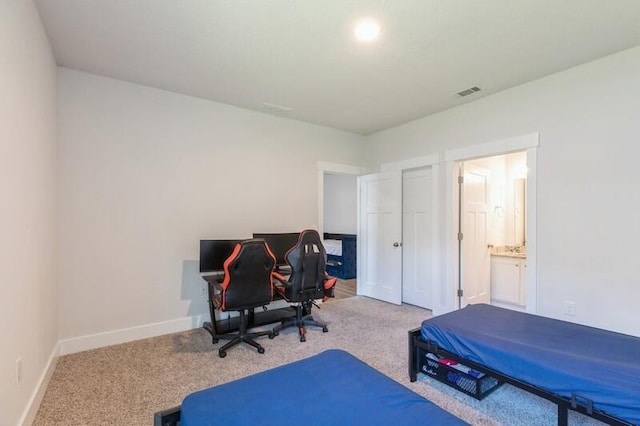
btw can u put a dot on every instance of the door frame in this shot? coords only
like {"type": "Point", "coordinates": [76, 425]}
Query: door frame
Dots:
{"type": "Point", "coordinates": [452, 158]}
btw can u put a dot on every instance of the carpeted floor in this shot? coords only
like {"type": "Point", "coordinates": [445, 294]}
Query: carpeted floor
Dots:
{"type": "Point", "coordinates": [125, 384]}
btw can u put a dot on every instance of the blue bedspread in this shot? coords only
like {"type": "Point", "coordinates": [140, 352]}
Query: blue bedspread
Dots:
{"type": "Point", "coordinates": [558, 356]}
{"type": "Point", "coordinates": [331, 388]}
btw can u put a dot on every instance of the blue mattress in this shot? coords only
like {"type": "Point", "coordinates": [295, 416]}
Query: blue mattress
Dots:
{"type": "Point", "coordinates": [331, 388]}
{"type": "Point", "coordinates": [558, 356]}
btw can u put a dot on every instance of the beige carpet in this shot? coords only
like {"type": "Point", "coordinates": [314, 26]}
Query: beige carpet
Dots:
{"type": "Point", "coordinates": [125, 384]}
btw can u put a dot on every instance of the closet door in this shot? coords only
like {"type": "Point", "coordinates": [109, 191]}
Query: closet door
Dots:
{"type": "Point", "coordinates": [380, 236]}
{"type": "Point", "coordinates": [418, 240]}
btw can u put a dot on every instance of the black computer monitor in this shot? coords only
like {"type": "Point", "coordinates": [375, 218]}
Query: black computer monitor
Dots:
{"type": "Point", "coordinates": [280, 244]}
{"type": "Point", "coordinates": [213, 253]}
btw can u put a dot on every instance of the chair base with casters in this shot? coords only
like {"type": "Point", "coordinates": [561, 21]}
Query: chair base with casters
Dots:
{"type": "Point", "coordinates": [302, 319]}
{"type": "Point", "coordinates": [241, 336]}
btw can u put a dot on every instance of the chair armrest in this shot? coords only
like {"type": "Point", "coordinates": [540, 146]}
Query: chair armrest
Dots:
{"type": "Point", "coordinates": [329, 287]}
{"type": "Point", "coordinates": [280, 278]}
{"type": "Point", "coordinates": [280, 284]}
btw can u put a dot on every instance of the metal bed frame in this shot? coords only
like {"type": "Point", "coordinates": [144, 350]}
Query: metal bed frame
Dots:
{"type": "Point", "coordinates": [418, 347]}
{"type": "Point", "coordinates": [169, 417]}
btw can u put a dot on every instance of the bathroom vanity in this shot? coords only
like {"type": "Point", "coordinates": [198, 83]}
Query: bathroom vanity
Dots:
{"type": "Point", "coordinates": [508, 279]}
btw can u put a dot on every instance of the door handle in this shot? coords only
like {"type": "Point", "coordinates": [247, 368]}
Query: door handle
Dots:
{"type": "Point", "coordinates": [397, 244]}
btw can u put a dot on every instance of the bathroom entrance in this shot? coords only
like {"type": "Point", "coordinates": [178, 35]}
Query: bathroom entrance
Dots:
{"type": "Point", "coordinates": [492, 230]}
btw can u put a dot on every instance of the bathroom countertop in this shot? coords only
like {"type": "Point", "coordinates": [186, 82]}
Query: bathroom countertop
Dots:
{"type": "Point", "coordinates": [510, 254]}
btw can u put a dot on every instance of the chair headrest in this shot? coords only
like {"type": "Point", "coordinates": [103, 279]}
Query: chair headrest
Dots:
{"type": "Point", "coordinates": [309, 242]}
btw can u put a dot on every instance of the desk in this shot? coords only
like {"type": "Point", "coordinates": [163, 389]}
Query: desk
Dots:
{"type": "Point", "coordinates": [255, 318]}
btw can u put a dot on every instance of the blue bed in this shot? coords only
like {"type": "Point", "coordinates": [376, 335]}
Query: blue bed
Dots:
{"type": "Point", "coordinates": [595, 371]}
{"type": "Point", "coordinates": [341, 255]}
{"type": "Point", "coordinates": [331, 388]}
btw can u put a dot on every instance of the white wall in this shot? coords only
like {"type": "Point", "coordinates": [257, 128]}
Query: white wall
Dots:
{"type": "Point", "coordinates": [588, 118]}
{"type": "Point", "coordinates": [146, 174]}
{"type": "Point", "coordinates": [28, 290]}
{"type": "Point", "coordinates": [340, 203]}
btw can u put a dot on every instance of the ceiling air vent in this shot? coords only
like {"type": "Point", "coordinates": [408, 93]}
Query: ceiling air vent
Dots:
{"type": "Point", "coordinates": [469, 91]}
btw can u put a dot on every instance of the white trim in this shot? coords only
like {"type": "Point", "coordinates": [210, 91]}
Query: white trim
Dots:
{"type": "Point", "coordinates": [530, 143]}
{"type": "Point", "coordinates": [499, 147]}
{"type": "Point", "coordinates": [437, 238]}
{"type": "Point", "coordinates": [412, 163]}
{"type": "Point", "coordinates": [123, 335]}
{"type": "Point", "coordinates": [29, 414]}
{"type": "Point", "coordinates": [532, 233]}
{"type": "Point", "coordinates": [448, 286]}
{"type": "Point", "coordinates": [346, 169]}
{"type": "Point", "coordinates": [359, 285]}
{"type": "Point", "coordinates": [320, 225]}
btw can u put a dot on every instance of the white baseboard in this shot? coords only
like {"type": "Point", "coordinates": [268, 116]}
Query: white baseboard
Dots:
{"type": "Point", "coordinates": [93, 341]}
{"type": "Point", "coordinates": [115, 337]}
{"type": "Point", "coordinates": [33, 405]}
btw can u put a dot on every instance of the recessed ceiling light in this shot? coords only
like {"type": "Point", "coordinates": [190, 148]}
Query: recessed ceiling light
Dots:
{"type": "Point", "coordinates": [367, 30]}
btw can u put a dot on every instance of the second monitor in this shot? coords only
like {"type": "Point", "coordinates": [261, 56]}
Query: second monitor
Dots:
{"type": "Point", "coordinates": [279, 243]}
{"type": "Point", "coordinates": [213, 254]}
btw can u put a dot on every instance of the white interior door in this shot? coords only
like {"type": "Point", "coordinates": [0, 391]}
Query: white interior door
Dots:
{"type": "Point", "coordinates": [417, 238]}
{"type": "Point", "coordinates": [474, 253]}
{"type": "Point", "coordinates": [379, 236]}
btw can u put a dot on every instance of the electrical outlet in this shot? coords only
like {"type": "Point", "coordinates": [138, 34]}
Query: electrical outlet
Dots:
{"type": "Point", "coordinates": [570, 309]}
{"type": "Point", "coordinates": [18, 370]}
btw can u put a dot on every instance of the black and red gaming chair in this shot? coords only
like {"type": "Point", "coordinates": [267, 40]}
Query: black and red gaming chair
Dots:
{"type": "Point", "coordinates": [247, 284]}
{"type": "Point", "coordinates": [308, 282]}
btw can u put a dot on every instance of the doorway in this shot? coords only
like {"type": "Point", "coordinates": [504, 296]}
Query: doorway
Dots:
{"type": "Point", "coordinates": [492, 242]}
{"type": "Point", "coordinates": [331, 200]}
{"type": "Point", "coordinates": [339, 230]}
{"type": "Point", "coordinates": [475, 184]}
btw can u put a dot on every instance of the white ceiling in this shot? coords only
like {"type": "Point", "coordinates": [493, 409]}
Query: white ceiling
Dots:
{"type": "Point", "coordinates": [301, 53]}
